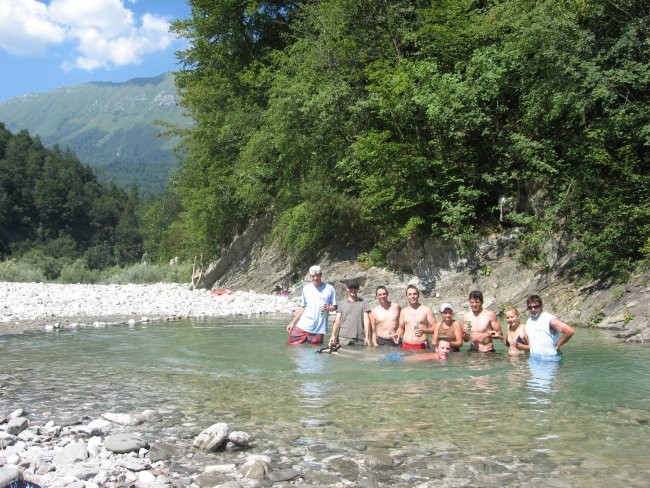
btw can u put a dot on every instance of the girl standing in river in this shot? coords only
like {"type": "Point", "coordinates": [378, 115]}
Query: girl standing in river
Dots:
{"type": "Point", "coordinates": [516, 341]}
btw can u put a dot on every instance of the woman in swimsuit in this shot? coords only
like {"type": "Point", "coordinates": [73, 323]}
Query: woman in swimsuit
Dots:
{"type": "Point", "coordinates": [448, 328]}
{"type": "Point", "coordinates": [517, 342]}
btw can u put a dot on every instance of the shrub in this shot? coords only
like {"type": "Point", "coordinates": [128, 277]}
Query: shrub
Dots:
{"type": "Point", "coordinates": [78, 272]}
{"type": "Point", "coordinates": [13, 271]}
{"type": "Point", "coordinates": [150, 273]}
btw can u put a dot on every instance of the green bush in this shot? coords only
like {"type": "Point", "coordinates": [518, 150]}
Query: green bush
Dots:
{"type": "Point", "coordinates": [16, 272]}
{"type": "Point", "coordinates": [78, 272]}
{"type": "Point", "coordinates": [48, 265]}
{"type": "Point", "coordinates": [144, 273]}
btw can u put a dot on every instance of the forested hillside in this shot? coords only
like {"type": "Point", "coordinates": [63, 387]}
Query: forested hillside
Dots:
{"type": "Point", "coordinates": [109, 126]}
{"type": "Point", "coordinates": [362, 122]}
{"type": "Point", "coordinates": [53, 210]}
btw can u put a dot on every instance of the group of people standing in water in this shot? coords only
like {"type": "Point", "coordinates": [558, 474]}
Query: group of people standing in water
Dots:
{"type": "Point", "coordinates": [414, 326]}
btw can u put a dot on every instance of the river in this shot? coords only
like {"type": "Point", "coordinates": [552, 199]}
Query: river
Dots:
{"type": "Point", "coordinates": [475, 420]}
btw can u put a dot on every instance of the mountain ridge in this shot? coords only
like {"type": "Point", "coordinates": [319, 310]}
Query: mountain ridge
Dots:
{"type": "Point", "coordinates": [110, 126]}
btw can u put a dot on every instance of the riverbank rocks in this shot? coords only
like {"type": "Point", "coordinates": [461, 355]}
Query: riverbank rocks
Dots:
{"type": "Point", "coordinates": [125, 442]}
{"type": "Point", "coordinates": [8, 476]}
{"type": "Point", "coordinates": [212, 438]}
{"type": "Point", "coordinates": [76, 451]}
{"type": "Point", "coordinates": [16, 425]}
{"type": "Point", "coordinates": [123, 418]}
{"type": "Point", "coordinates": [256, 467]}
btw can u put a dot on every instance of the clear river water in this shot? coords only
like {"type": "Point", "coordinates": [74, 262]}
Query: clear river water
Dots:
{"type": "Point", "coordinates": [584, 421]}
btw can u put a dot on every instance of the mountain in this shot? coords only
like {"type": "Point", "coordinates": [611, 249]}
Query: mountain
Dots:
{"type": "Point", "coordinates": [109, 126]}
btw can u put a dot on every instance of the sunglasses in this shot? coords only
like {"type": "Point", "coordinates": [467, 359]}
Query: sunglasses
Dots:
{"type": "Point", "coordinates": [533, 307]}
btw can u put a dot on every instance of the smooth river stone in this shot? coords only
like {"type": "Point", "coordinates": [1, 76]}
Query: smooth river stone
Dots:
{"type": "Point", "coordinates": [212, 438]}
{"type": "Point", "coordinates": [124, 442]}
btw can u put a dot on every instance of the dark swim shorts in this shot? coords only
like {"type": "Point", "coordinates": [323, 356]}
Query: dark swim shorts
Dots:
{"type": "Point", "coordinates": [386, 342]}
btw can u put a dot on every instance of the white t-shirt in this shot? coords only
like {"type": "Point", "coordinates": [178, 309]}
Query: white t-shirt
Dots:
{"type": "Point", "coordinates": [313, 319]}
{"type": "Point", "coordinates": [541, 336]}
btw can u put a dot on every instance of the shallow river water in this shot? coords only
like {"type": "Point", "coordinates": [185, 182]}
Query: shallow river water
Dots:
{"type": "Point", "coordinates": [473, 421]}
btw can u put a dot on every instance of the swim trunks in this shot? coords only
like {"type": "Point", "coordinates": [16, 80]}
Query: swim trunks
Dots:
{"type": "Point", "coordinates": [393, 357]}
{"type": "Point", "coordinates": [418, 345]}
{"type": "Point", "coordinates": [386, 342]}
{"type": "Point", "coordinates": [299, 336]}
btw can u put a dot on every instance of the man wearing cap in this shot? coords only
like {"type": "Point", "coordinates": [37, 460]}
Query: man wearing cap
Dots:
{"type": "Point", "coordinates": [384, 320]}
{"type": "Point", "coordinates": [448, 328]}
{"type": "Point", "coordinates": [351, 325]}
{"type": "Point", "coordinates": [309, 324]}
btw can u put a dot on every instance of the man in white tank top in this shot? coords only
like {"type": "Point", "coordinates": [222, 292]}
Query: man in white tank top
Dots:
{"type": "Point", "coordinates": [545, 332]}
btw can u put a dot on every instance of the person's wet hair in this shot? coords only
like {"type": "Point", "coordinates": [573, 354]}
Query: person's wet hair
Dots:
{"type": "Point", "coordinates": [476, 295]}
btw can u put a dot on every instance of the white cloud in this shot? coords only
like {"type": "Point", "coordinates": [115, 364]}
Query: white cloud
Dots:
{"type": "Point", "coordinates": [104, 33]}
{"type": "Point", "coordinates": [25, 28]}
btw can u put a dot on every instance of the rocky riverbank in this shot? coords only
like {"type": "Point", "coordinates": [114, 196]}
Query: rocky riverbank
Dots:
{"type": "Point", "coordinates": [46, 305]}
{"type": "Point", "coordinates": [108, 451]}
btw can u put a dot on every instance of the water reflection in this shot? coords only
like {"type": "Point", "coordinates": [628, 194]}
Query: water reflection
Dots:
{"type": "Point", "coordinates": [542, 374]}
{"type": "Point", "coordinates": [313, 392]}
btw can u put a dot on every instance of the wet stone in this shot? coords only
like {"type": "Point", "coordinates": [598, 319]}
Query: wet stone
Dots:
{"type": "Point", "coordinates": [212, 438]}
{"type": "Point", "coordinates": [356, 445]}
{"type": "Point", "coordinates": [347, 467]}
{"type": "Point", "coordinates": [378, 461]}
{"type": "Point", "coordinates": [282, 475]}
{"type": "Point", "coordinates": [161, 451]}
{"type": "Point", "coordinates": [124, 442]}
{"type": "Point", "coordinates": [210, 479]}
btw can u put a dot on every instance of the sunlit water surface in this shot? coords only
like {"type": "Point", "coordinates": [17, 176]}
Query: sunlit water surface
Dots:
{"type": "Point", "coordinates": [581, 422]}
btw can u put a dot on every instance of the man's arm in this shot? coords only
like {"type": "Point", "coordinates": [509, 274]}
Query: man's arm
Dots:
{"type": "Point", "coordinates": [466, 331]}
{"type": "Point", "coordinates": [436, 333]}
{"type": "Point", "coordinates": [496, 327]}
{"type": "Point", "coordinates": [431, 322]}
{"type": "Point", "coordinates": [458, 332]}
{"type": "Point", "coordinates": [366, 329]}
{"type": "Point", "coordinates": [372, 322]}
{"type": "Point", "coordinates": [402, 325]}
{"type": "Point", "coordinates": [335, 328]}
{"type": "Point", "coordinates": [296, 317]}
{"type": "Point", "coordinates": [565, 330]}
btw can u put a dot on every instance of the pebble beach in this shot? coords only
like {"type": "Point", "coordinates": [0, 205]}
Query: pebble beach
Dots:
{"type": "Point", "coordinates": [48, 305]}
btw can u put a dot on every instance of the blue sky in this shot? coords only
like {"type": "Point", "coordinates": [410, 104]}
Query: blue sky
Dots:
{"type": "Point", "coordinates": [48, 44]}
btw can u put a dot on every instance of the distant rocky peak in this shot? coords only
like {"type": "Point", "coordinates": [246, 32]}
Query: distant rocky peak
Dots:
{"type": "Point", "coordinates": [166, 99]}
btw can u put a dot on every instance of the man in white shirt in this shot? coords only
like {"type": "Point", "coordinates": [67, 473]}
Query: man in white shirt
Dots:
{"type": "Point", "coordinates": [545, 332]}
{"type": "Point", "coordinates": [309, 324]}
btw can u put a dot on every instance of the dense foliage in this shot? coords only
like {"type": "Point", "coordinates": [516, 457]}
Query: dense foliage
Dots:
{"type": "Point", "coordinates": [362, 122]}
{"type": "Point", "coordinates": [54, 212]}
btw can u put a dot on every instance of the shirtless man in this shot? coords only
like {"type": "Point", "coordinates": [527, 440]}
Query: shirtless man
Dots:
{"type": "Point", "coordinates": [384, 320]}
{"type": "Point", "coordinates": [482, 324]}
{"type": "Point", "coordinates": [415, 321]}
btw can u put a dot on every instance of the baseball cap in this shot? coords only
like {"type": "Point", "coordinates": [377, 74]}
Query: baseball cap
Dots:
{"type": "Point", "coordinates": [446, 306]}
